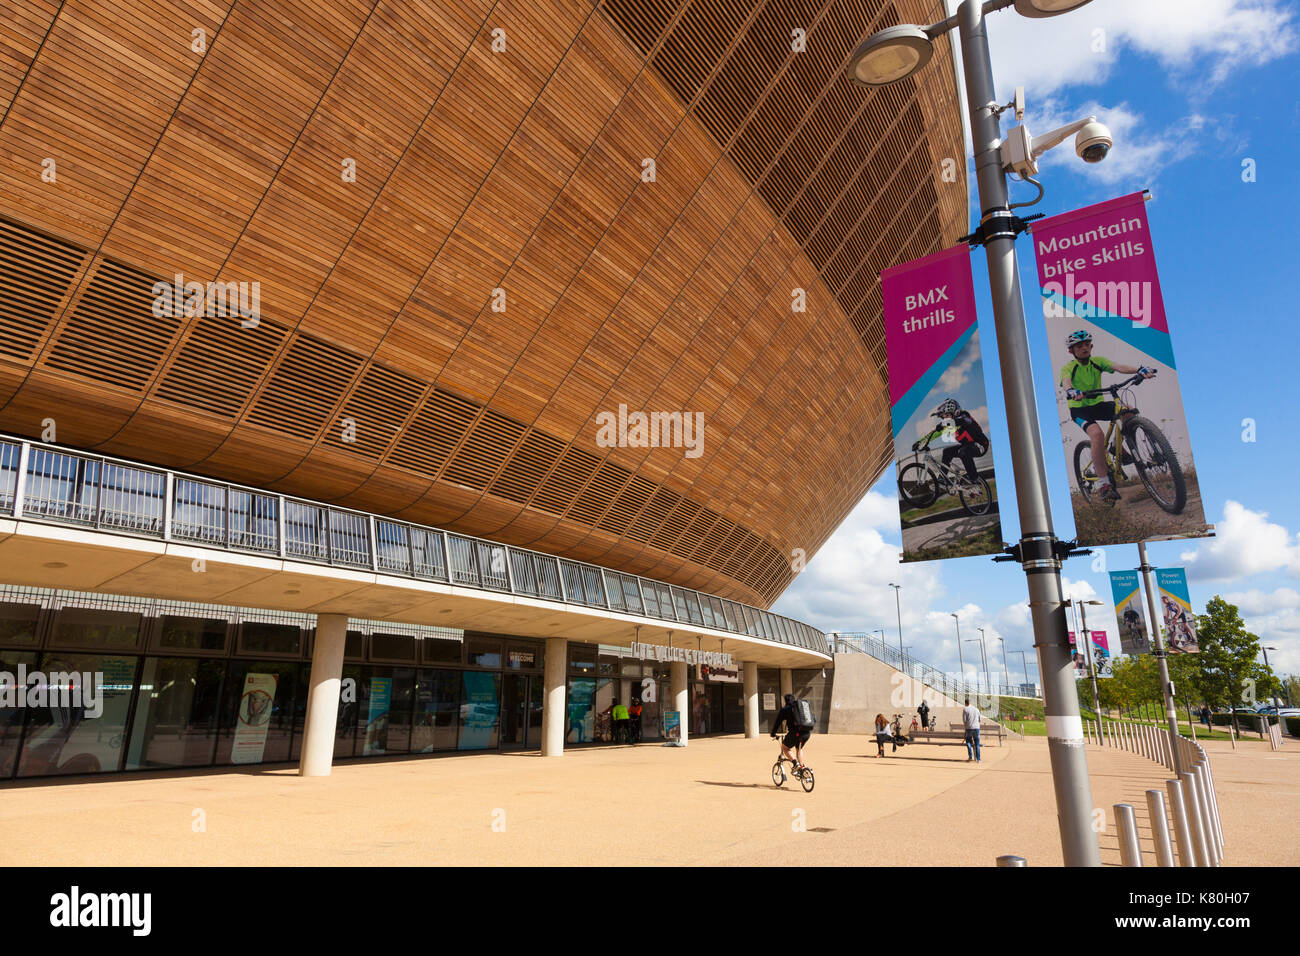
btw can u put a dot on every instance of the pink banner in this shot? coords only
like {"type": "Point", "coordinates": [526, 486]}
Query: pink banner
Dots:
{"type": "Point", "coordinates": [1123, 427]}
{"type": "Point", "coordinates": [946, 486]}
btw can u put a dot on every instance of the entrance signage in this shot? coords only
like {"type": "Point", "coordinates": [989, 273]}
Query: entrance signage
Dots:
{"type": "Point", "coordinates": [684, 655]}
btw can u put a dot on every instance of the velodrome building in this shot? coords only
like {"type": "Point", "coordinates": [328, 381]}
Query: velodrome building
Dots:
{"type": "Point", "coordinates": [402, 376]}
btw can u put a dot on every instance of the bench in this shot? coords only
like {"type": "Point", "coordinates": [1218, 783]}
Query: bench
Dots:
{"type": "Point", "coordinates": [956, 732]}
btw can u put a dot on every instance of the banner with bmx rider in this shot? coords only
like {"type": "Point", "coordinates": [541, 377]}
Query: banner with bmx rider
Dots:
{"type": "Point", "coordinates": [1127, 450]}
{"type": "Point", "coordinates": [947, 493]}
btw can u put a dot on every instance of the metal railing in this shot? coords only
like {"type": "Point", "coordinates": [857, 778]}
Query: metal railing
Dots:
{"type": "Point", "coordinates": [862, 642]}
{"type": "Point", "coordinates": [50, 484]}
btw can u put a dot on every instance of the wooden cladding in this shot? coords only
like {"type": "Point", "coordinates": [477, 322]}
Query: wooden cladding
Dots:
{"type": "Point", "coordinates": [381, 374]}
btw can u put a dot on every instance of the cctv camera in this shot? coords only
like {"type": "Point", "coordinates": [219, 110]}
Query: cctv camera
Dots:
{"type": "Point", "coordinates": [1093, 142]}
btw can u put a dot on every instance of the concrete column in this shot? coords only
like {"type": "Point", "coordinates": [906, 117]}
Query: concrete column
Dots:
{"type": "Point", "coordinates": [323, 695]}
{"type": "Point", "coordinates": [751, 699]}
{"type": "Point", "coordinates": [787, 685]}
{"type": "Point", "coordinates": [557, 658]}
{"type": "Point", "coordinates": [679, 691]}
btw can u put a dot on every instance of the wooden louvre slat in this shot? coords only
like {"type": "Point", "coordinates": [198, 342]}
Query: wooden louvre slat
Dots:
{"type": "Point", "coordinates": [489, 444]}
{"type": "Point", "coordinates": [113, 335]}
{"type": "Point", "coordinates": [305, 387]}
{"type": "Point", "coordinates": [534, 457]}
{"type": "Point", "coordinates": [35, 273]}
{"type": "Point", "coordinates": [220, 363]}
{"type": "Point", "coordinates": [376, 410]}
{"type": "Point", "coordinates": [435, 430]}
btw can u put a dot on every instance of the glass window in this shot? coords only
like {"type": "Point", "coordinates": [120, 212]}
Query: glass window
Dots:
{"type": "Point", "coordinates": [607, 664]}
{"type": "Point", "coordinates": [649, 711]}
{"type": "Point", "coordinates": [345, 728]}
{"type": "Point", "coordinates": [192, 633]}
{"type": "Point", "coordinates": [257, 710]}
{"type": "Point", "coordinates": [176, 713]}
{"type": "Point", "coordinates": [435, 720]}
{"type": "Point", "coordinates": [354, 645]}
{"type": "Point", "coordinates": [582, 657]}
{"type": "Point", "coordinates": [256, 637]}
{"type": "Point", "coordinates": [483, 653]}
{"type": "Point", "coordinates": [392, 647]}
{"type": "Point", "coordinates": [18, 623]}
{"type": "Point", "coordinates": [65, 738]}
{"type": "Point", "coordinates": [480, 711]}
{"type": "Point", "coordinates": [523, 657]}
{"type": "Point", "coordinates": [89, 627]}
{"type": "Point", "coordinates": [11, 718]}
{"type": "Point", "coordinates": [384, 712]}
{"type": "Point", "coordinates": [438, 651]}
{"type": "Point", "coordinates": [579, 704]}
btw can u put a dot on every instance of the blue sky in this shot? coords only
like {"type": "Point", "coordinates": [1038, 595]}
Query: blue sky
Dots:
{"type": "Point", "coordinates": [1191, 89]}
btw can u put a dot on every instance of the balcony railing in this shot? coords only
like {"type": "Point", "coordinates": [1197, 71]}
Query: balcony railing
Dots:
{"type": "Point", "coordinates": [863, 642]}
{"type": "Point", "coordinates": [49, 484]}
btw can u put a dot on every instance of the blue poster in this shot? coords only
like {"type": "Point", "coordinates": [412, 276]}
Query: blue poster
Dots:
{"type": "Point", "coordinates": [479, 712]}
{"type": "Point", "coordinates": [1125, 588]}
{"type": "Point", "coordinates": [1176, 612]}
{"type": "Point", "coordinates": [582, 691]}
{"type": "Point", "coordinates": [381, 692]}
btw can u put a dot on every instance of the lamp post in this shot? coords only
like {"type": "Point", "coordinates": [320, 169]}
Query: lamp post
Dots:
{"type": "Point", "coordinates": [887, 57]}
{"type": "Point", "coordinates": [1006, 671]}
{"type": "Point", "coordinates": [1085, 639]}
{"type": "Point", "coordinates": [898, 606]}
{"type": "Point", "coordinates": [984, 658]}
{"type": "Point", "coordinates": [979, 683]}
{"type": "Point", "coordinates": [1025, 664]}
{"type": "Point", "coordinates": [961, 663]}
{"type": "Point", "coordinates": [1277, 705]}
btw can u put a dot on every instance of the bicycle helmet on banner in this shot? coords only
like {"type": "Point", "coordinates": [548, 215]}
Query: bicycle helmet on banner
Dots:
{"type": "Point", "coordinates": [948, 407]}
{"type": "Point", "coordinates": [1081, 337]}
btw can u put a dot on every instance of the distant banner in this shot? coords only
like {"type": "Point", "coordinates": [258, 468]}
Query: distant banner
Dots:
{"type": "Point", "coordinates": [1176, 612]}
{"type": "Point", "coordinates": [1117, 381]}
{"type": "Point", "coordinates": [1100, 656]}
{"type": "Point", "coordinates": [947, 492]}
{"type": "Point", "coordinates": [1126, 590]}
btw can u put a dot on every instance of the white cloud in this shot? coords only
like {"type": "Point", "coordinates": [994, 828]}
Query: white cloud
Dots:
{"type": "Point", "coordinates": [1246, 543]}
{"type": "Point", "coordinates": [1200, 43]}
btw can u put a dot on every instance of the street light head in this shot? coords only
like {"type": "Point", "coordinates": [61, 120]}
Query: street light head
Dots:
{"type": "Point", "coordinates": [893, 54]}
{"type": "Point", "coordinates": [1047, 8]}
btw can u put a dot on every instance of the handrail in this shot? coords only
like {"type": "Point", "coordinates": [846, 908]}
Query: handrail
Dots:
{"type": "Point", "coordinates": [50, 483]}
{"type": "Point", "coordinates": [862, 642]}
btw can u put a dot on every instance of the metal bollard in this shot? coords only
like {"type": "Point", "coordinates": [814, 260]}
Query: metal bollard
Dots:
{"type": "Point", "coordinates": [1182, 830]}
{"type": "Point", "coordinates": [1009, 860]}
{"type": "Point", "coordinates": [1207, 802]}
{"type": "Point", "coordinates": [1196, 819]}
{"type": "Point", "coordinates": [1126, 824]}
{"type": "Point", "coordinates": [1159, 828]}
{"type": "Point", "coordinates": [1214, 797]}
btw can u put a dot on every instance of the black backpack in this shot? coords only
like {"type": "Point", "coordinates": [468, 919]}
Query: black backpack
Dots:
{"type": "Point", "coordinates": [803, 715]}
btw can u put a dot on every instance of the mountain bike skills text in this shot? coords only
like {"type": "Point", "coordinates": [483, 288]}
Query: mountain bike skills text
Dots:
{"type": "Point", "coordinates": [71, 689]}
{"type": "Point", "coordinates": [1132, 300]}
{"type": "Point", "coordinates": [921, 300]}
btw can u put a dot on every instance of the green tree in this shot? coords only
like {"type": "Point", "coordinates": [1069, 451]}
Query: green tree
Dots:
{"type": "Point", "coordinates": [1228, 670]}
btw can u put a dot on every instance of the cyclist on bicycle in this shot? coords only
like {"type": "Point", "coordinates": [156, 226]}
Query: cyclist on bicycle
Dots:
{"type": "Point", "coordinates": [1082, 374]}
{"type": "Point", "coordinates": [972, 443]}
{"type": "Point", "coordinates": [1131, 618]}
{"type": "Point", "coordinates": [795, 736]}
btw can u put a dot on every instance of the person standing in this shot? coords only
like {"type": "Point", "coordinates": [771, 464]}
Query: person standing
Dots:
{"type": "Point", "coordinates": [620, 718]}
{"type": "Point", "coordinates": [883, 735]}
{"type": "Point", "coordinates": [970, 718]}
{"type": "Point", "coordinates": [924, 711]}
{"type": "Point", "coordinates": [634, 714]}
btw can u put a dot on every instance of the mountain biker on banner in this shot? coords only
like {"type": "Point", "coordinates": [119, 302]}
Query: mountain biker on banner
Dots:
{"type": "Point", "coordinates": [798, 718]}
{"type": "Point", "coordinates": [1081, 374]}
{"type": "Point", "coordinates": [971, 441]}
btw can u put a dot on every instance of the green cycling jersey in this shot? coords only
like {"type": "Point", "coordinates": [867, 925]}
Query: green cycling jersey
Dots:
{"type": "Point", "coordinates": [1086, 376]}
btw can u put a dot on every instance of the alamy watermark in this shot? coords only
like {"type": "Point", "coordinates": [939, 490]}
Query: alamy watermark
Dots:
{"type": "Point", "coordinates": [626, 429]}
{"type": "Point", "coordinates": [71, 689]}
{"type": "Point", "coordinates": [181, 299]}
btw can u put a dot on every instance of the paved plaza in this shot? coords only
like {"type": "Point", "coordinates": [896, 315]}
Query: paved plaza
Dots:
{"type": "Point", "coordinates": [710, 803]}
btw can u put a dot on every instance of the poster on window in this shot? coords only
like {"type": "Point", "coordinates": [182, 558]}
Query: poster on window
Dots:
{"type": "Point", "coordinates": [479, 711]}
{"type": "Point", "coordinates": [255, 707]}
{"type": "Point", "coordinates": [943, 460]}
{"type": "Point", "coordinates": [1123, 427]}
{"type": "Point", "coordinates": [1176, 612]}
{"type": "Point", "coordinates": [381, 694]}
{"type": "Point", "coordinates": [1130, 614]}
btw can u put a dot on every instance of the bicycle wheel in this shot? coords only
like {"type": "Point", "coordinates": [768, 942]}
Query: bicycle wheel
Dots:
{"type": "Point", "coordinates": [916, 486]}
{"type": "Point", "coordinates": [778, 774]}
{"type": "Point", "coordinates": [806, 779]}
{"type": "Point", "coordinates": [976, 497]}
{"type": "Point", "coordinates": [1082, 468]}
{"type": "Point", "coordinates": [1157, 465]}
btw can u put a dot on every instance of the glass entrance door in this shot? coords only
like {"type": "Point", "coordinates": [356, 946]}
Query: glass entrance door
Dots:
{"type": "Point", "coordinates": [514, 711]}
